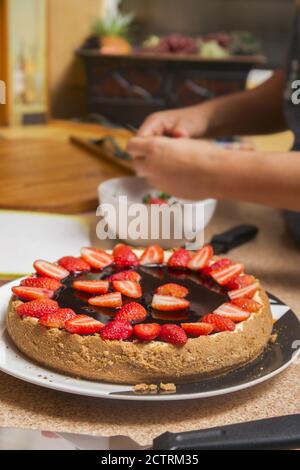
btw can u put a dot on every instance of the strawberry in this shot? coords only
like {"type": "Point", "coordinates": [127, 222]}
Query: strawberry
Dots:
{"type": "Point", "coordinates": [173, 289]}
{"type": "Point", "coordinates": [43, 282]}
{"type": "Point", "coordinates": [201, 258]}
{"type": "Point", "coordinates": [125, 276]}
{"type": "Point", "coordinates": [37, 308]}
{"type": "Point", "coordinates": [247, 291]}
{"type": "Point", "coordinates": [132, 312]}
{"type": "Point", "coordinates": [221, 263]}
{"type": "Point", "coordinates": [219, 322]}
{"type": "Point", "coordinates": [96, 258]}
{"type": "Point", "coordinates": [74, 265]}
{"type": "Point", "coordinates": [241, 281]}
{"type": "Point", "coordinates": [247, 304]}
{"type": "Point", "coordinates": [58, 318]}
{"type": "Point", "coordinates": [92, 286]}
{"type": "Point", "coordinates": [117, 329]}
{"type": "Point", "coordinates": [167, 303]}
{"type": "Point", "coordinates": [233, 312]}
{"type": "Point", "coordinates": [157, 201]}
{"type": "Point", "coordinates": [112, 300]}
{"type": "Point", "coordinates": [197, 329]}
{"type": "Point", "coordinates": [224, 275]}
{"type": "Point", "coordinates": [124, 256]}
{"type": "Point", "coordinates": [129, 288]}
{"type": "Point", "coordinates": [180, 258]}
{"type": "Point", "coordinates": [44, 268]}
{"type": "Point", "coordinates": [147, 331]}
{"type": "Point", "coordinates": [173, 334]}
{"type": "Point", "coordinates": [152, 255]}
{"type": "Point", "coordinates": [32, 293]}
{"type": "Point", "coordinates": [83, 325]}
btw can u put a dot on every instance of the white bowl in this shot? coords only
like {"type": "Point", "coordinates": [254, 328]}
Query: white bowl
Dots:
{"type": "Point", "coordinates": [111, 195]}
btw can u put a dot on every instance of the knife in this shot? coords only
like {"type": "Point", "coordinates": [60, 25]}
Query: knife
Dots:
{"type": "Point", "coordinates": [226, 241]}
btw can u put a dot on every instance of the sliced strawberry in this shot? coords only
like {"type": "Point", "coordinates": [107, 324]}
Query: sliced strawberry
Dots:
{"type": "Point", "coordinates": [224, 275]}
{"type": "Point", "coordinates": [152, 255]}
{"type": "Point", "coordinates": [74, 265]}
{"type": "Point", "coordinates": [201, 258]}
{"type": "Point", "coordinates": [233, 312]}
{"type": "Point", "coordinates": [221, 263]}
{"type": "Point", "coordinates": [44, 268]}
{"type": "Point", "coordinates": [43, 282]}
{"type": "Point", "coordinates": [173, 334]}
{"type": "Point", "coordinates": [124, 256]}
{"type": "Point", "coordinates": [131, 312]}
{"type": "Point", "coordinates": [32, 293]}
{"type": "Point", "coordinates": [96, 258]}
{"type": "Point", "coordinates": [241, 281]}
{"type": "Point", "coordinates": [58, 318]}
{"type": "Point", "coordinates": [167, 303]}
{"type": "Point", "coordinates": [147, 331]}
{"type": "Point", "coordinates": [219, 322]}
{"type": "Point", "coordinates": [112, 300]}
{"type": "Point", "coordinates": [37, 308]}
{"type": "Point", "coordinates": [247, 304]}
{"type": "Point", "coordinates": [180, 258]}
{"type": "Point", "coordinates": [117, 330]}
{"type": "Point", "coordinates": [173, 289]}
{"type": "Point", "coordinates": [197, 329]}
{"type": "Point", "coordinates": [128, 275]}
{"type": "Point", "coordinates": [92, 286]}
{"type": "Point", "coordinates": [129, 288]}
{"type": "Point", "coordinates": [83, 325]}
{"type": "Point", "coordinates": [247, 291]}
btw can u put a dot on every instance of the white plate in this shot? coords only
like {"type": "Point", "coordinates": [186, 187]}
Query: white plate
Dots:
{"type": "Point", "coordinates": [278, 357]}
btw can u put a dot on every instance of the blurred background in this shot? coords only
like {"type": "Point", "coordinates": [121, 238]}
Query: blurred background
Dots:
{"type": "Point", "coordinates": [122, 60]}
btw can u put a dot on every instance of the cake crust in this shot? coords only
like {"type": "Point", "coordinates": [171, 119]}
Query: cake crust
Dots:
{"type": "Point", "coordinates": [92, 358]}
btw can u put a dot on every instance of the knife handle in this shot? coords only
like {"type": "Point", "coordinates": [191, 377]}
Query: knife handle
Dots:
{"type": "Point", "coordinates": [274, 433]}
{"type": "Point", "coordinates": [234, 237]}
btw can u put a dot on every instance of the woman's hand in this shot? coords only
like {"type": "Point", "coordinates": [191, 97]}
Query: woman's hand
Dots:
{"type": "Point", "coordinates": [186, 122]}
{"type": "Point", "coordinates": [180, 167]}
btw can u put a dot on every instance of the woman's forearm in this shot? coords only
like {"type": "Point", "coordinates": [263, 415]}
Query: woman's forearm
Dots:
{"type": "Point", "coordinates": [257, 111]}
{"type": "Point", "coordinates": [266, 178]}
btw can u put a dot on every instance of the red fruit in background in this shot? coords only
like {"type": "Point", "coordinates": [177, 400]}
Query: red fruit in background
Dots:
{"type": "Point", "coordinates": [32, 293]}
{"type": "Point", "coordinates": [124, 256]}
{"type": "Point", "coordinates": [96, 258]}
{"type": "Point", "coordinates": [131, 312]}
{"type": "Point", "coordinates": [201, 259]}
{"type": "Point", "coordinates": [111, 300]}
{"type": "Point", "coordinates": [128, 275]}
{"type": "Point", "coordinates": [44, 268]}
{"type": "Point", "coordinates": [147, 331]}
{"type": "Point", "coordinates": [83, 325]}
{"type": "Point", "coordinates": [92, 286]}
{"type": "Point", "coordinates": [219, 322]}
{"type": "Point", "coordinates": [37, 308]}
{"type": "Point", "coordinates": [235, 313]}
{"type": "Point", "coordinates": [74, 265]}
{"type": "Point", "coordinates": [58, 318]}
{"type": "Point", "coordinates": [247, 304]}
{"type": "Point", "coordinates": [43, 282]}
{"type": "Point", "coordinates": [173, 334]}
{"type": "Point", "coordinates": [117, 330]}
{"type": "Point", "coordinates": [197, 329]}
{"type": "Point", "coordinates": [241, 281]}
{"type": "Point", "coordinates": [152, 255]}
{"type": "Point", "coordinates": [167, 303]}
{"type": "Point", "coordinates": [156, 201]}
{"type": "Point", "coordinates": [180, 258]}
{"type": "Point", "coordinates": [128, 288]}
{"type": "Point", "coordinates": [223, 275]}
{"type": "Point", "coordinates": [173, 289]}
